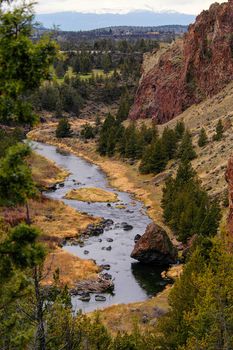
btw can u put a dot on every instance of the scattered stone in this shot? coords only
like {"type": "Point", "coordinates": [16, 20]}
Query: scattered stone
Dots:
{"type": "Point", "coordinates": [86, 252]}
{"type": "Point", "coordinates": [85, 297]}
{"type": "Point", "coordinates": [106, 267]}
{"type": "Point", "coordinates": [106, 276]}
{"type": "Point", "coordinates": [99, 285]}
{"type": "Point", "coordinates": [100, 298]}
{"type": "Point", "coordinates": [109, 248]}
{"type": "Point", "coordinates": [109, 240]}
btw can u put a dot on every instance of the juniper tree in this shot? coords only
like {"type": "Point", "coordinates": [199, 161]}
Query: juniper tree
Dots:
{"type": "Point", "coordinates": [63, 128]}
{"type": "Point", "coordinates": [203, 139]}
{"type": "Point", "coordinates": [219, 131]}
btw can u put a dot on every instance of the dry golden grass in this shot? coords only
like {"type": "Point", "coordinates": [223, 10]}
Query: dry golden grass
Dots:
{"type": "Point", "coordinates": [58, 220]}
{"type": "Point", "coordinates": [71, 268]}
{"type": "Point", "coordinates": [123, 317]}
{"type": "Point", "coordinates": [45, 172]}
{"type": "Point", "coordinates": [92, 195]}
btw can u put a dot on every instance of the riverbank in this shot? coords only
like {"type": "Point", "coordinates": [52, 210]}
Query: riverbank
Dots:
{"type": "Point", "coordinates": [121, 175]}
{"type": "Point", "coordinates": [57, 222]}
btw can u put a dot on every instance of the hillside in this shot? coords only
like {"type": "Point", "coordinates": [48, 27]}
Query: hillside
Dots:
{"type": "Point", "coordinates": [189, 70]}
{"type": "Point", "coordinates": [75, 21]}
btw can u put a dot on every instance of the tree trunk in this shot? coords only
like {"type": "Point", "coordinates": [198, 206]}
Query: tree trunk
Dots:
{"type": "Point", "coordinates": [40, 334]}
{"type": "Point", "coordinates": [28, 220]}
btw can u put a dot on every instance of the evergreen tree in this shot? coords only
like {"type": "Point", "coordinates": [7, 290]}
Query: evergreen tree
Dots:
{"type": "Point", "coordinates": [108, 124]}
{"type": "Point", "coordinates": [88, 132]}
{"type": "Point", "coordinates": [63, 128]}
{"type": "Point", "coordinates": [180, 129]}
{"type": "Point", "coordinates": [187, 208]}
{"type": "Point", "coordinates": [186, 151]}
{"type": "Point", "coordinates": [124, 107]}
{"type": "Point", "coordinates": [23, 63]}
{"type": "Point", "coordinates": [202, 141]}
{"type": "Point", "coordinates": [219, 131]}
{"type": "Point", "coordinates": [154, 159]}
{"type": "Point", "coordinates": [169, 140]}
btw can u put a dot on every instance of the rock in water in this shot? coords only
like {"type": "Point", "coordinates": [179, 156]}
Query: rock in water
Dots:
{"type": "Point", "coordinates": [155, 247]}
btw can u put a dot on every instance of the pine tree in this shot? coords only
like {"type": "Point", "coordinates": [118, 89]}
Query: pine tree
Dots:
{"type": "Point", "coordinates": [63, 129]}
{"type": "Point", "coordinates": [186, 151]}
{"type": "Point", "coordinates": [219, 131]}
{"type": "Point", "coordinates": [202, 141]}
{"type": "Point", "coordinates": [124, 107]}
{"type": "Point", "coordinates": [24, 63]}
{"type": "Point", "coordinates": [169, 140]}
{"type": "Point", "coordinates": [180, 129]}
{"type": "Point", "coordinates": [154, 159]}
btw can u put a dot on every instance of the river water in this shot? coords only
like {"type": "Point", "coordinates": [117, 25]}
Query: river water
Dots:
{"type": "Point", "coordinates": [133, 281]}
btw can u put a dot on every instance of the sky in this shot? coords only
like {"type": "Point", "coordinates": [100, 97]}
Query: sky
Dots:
{"type": "Point", "coordinates": [123, 6]}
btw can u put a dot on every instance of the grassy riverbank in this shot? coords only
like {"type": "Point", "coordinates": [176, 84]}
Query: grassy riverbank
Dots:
{"type": "Point", "coordinates": [121, 175]}
{"type": "Point", "coordinates": [57, 221]}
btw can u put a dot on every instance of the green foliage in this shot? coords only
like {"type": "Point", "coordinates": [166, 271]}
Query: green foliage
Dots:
{"type": "Point", "coordinates": [219, 131]}
{"type": "Point", "coordinates": [203, 139]}
{"type": "Point", "coordinates": [88, 132]}
{"type": "Point", "coordinates": [20, 250]}
{"type": "Point", "coordinates": [187, 208]}
{"type": "Point", "coordinates": [186, 151]}
{"type": "Point", "coordinates": [201, 304]}
{"type": "Point", "coordinates": [16, 184]}
{"type": "Point", "coordinates": [154, 159]}
{"type": "Point", "coordinates": [124, 107]}
{"type": "Point", "coordinates": [63, 128]}
{"type": "Point", "coordinates": [23, 64]}
{"type": "Point", "coordinates": [180, 129]}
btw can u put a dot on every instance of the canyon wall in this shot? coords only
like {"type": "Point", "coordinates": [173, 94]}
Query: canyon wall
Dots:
{"type": "Point", "coordinates": [190, 70]}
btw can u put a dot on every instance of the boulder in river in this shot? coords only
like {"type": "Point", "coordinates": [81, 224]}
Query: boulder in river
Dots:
{"type": "Point", "coordinates": [155, 247]}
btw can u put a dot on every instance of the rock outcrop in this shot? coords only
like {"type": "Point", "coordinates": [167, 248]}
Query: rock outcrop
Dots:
{"type": "Point", "coordinates": [191, 69]}
{"type": "Point", "coordinates": [155, 247]}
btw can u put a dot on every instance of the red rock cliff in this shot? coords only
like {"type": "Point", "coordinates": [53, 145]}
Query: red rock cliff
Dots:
{"type": "Point", "coordinates": [190, 70]}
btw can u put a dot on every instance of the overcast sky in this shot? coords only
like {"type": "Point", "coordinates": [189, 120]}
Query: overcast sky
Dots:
{"type": "Point", "coordinates": [119, 6]}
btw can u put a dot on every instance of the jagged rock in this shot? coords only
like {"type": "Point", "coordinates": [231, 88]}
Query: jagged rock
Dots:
{"type": "Point", "coordinates": [126, 227]}
{"type": "Point", "coordinates": [99, 285]}
{"type": "Point", "coordinates": [155, 247]}
{"type": "Point", "coordinates": [109, 240]}
{"type": "Point", "coordinates": [100, 298]}
{"type": "Point", "coordinates": [105, 267]}
{"type": "Point", "coordinates": [85, 297]}
{"type": "Point", "coordinates": [191, 69]}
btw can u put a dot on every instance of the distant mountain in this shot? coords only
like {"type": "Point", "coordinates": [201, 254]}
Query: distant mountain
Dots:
{"type": "Point", "coordinates": [75, 21]}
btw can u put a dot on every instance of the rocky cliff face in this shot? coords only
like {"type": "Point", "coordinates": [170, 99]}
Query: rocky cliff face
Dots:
{"type": "Point", "coordinates": [189, 70]}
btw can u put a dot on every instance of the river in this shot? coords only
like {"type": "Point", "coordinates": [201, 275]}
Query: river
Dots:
{"type": "Point", "coordinates": [133, 281]}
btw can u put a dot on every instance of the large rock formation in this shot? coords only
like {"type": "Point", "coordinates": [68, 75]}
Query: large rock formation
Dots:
{"type": "Point", "coordinates": [189, 70]}
{"type": "Point", "coordinates": [155, 247]}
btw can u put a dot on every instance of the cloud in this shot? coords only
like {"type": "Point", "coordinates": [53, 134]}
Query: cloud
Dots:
{"type": "Point", "coordinates": [122, 6]}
